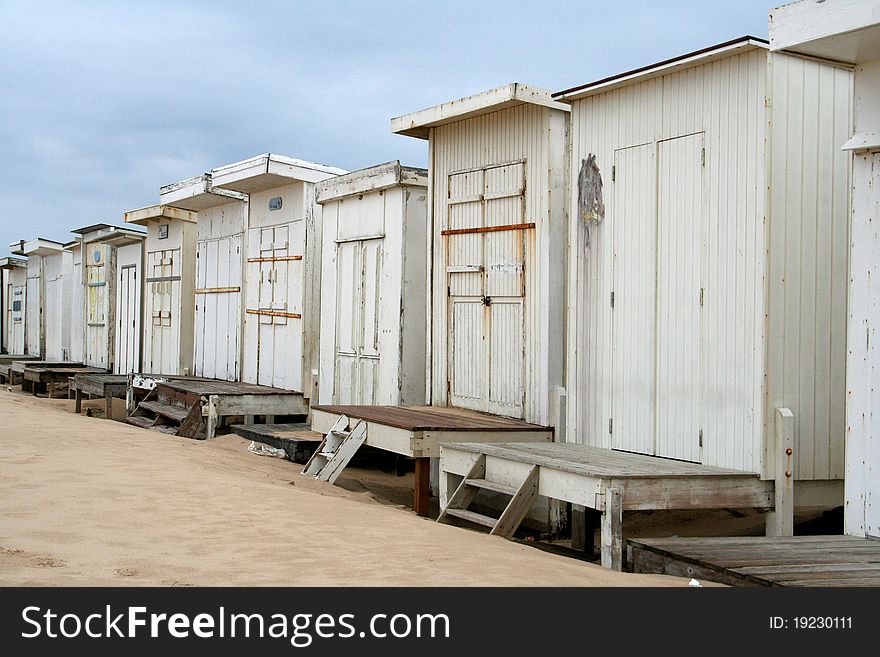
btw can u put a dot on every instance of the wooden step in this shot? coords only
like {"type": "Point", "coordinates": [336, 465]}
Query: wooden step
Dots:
{"type": "Point", "coordinates": [140, 421]}
{"type": "Point", "coordinates": [170, 411]}
{"type": "Point", "coordinates": [492, 485]}
{"type": "Point", "coordinates": [472, 516]}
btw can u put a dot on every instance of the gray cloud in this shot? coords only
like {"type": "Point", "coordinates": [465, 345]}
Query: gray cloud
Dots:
{"type": "Point", "coordinates": [103, 102]}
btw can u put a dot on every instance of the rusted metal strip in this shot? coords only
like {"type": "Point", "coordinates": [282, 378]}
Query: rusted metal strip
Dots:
{"type": "Point", "coordinates": [275, 259]}
{"type": "Point", "coordinates": [486, 229]}
{"type": "Point", "coordinates": [273, 313]}
{"type": "Point", "coordinates": [217, 290]}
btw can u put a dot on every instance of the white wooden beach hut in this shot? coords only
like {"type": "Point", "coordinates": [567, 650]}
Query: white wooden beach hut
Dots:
{"type": "Point", "coordinates": [222, 217]}
{"type": "Point", "coordinates": [169, 285]}
{"type": "Point", "coordinates": [279, 267]}
{"type": "Point", "coordinates": [373, 286]}
{"type": "Point", "coordinates": [112, 283]}
{"type": "Point", "coordinates": [849, 31]}
{"type": "Point", "coordinates": [44, 294]}
{"type": "Point", "coordinates": [497, 216]}
{"type": "Point", "coordinates": [13, 276]}
{"type": "Point", "coordinates": [708, 296]}
{"type": "Point", "coordinates": [74, 294]}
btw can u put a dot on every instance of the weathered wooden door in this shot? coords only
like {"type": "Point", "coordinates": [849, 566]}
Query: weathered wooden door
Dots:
{"type": "Point", "coordinates": [275, 306]}
{"type": "Point", "coordinates": [632, 300]}
{"type": "Point", "coordinates": [34, 317]}
{"type": "Point", "coordinates": [218, 308]}
{"type": "Point", "coordinates": [485, 243]}
{"type": "Point", "coordinates": [15, 324]}
{"type": "Point", "coordinates": [680, 218]}
{"type": "Point", "coordinates": [127, 321]}
{"type": "Point", "coordinates": [54, 308]}
{"type": "Point", "coordinates": [162, 337]}
{"type": "Point", "coordinates": [359, 269]}
{"type": "Point", "coordinates": [97, 305]}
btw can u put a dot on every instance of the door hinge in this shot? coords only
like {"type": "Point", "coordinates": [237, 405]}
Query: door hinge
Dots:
{"type": "Point", "coordinates": [613, 172]}
{"type": "Point", "coordinates": [611, 425]}
{"type": "Point", "coordinates": [703, 157]}
{"type": "Point", "coordinates": [701, 295]}
{"type": "Point", "coordinates": [448, 291]}
{"type": "Point", "coordinates": [612, 299]}
{"type": "Point", "coordinates": [701, 437]}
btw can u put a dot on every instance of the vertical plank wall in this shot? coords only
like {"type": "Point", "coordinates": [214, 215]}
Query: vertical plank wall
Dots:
{"type": "Point", "coordinates": [537, 135]}
{"type": "Point", "coordinates": [725, 100]}
{"type": "Point", "coordinates": [35, 341]}
{"type": "Point", "coordinates": [811, 117]}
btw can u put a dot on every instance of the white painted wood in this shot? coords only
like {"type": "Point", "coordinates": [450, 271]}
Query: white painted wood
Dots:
{"type": "Point", "coordinates": [372, 292]}
{"type": "Point", "coordinates": [843, 30]}
{"type": "Point", "coordinates": [780, 521]}
{"type": "Point", "coordinates": [53, 305]}
{"type": "Point", "coordinates": [753, 246]}
{"type": "Point", "coordinates": [14, 284]}
{"type": "Point", "coordinates": [129, 292]}
{"type": "Point", "coordinates": [527, 137]}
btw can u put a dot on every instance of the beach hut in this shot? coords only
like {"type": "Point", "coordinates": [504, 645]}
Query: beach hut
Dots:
{"type": "Point", "coordinates": [497, 217]}
{"type": "Point", "coordinates": [112, 290]}
{"type": "Point", "coordinates": [708, 264]}
{"type": "Point", "coordinates": [850, 32]}
{"type": "Point", "coordinates": [373, 286]}
{"type": "Point", "coordinates": [74, 330]}
{"type": "Point", "coordinates": [13, 276]}
{"type": "Point", "coordinates": [44, 297]}
{"type": "Point", "coordinates": [278, 266]}
{"type": "Point", "coordinates": [222, 217]}
{"type": "Point", "coordinates": [169, 284]}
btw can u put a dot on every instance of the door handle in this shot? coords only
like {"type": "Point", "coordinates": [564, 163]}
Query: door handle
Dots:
{"type": "Point", "coordinates": [487, 301]}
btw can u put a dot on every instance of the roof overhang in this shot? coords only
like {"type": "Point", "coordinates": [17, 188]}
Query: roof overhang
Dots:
{"type": "Point", "coordinates": [12, 262]}
{"type": "Point", "coordinates": [665, 67]}
{"type": "Point", "coordinates": [863, 142]}
{"type": "Point", "coordinates": [371, 179]}
{"type": "Point", "coordinates": [38, 246]}
{"type": "Point", "coordinates": [143, 216]}
{"type": "Point", "coordinates": [843, 31]}
{"type": "Point", "coordinates": [418, 124]}
{"type": "Point", "coordinates": [117, 235]}
{"type": "Point", "coordinates": [196, 194]}
{"type": "Point", "coordinates": [268, 171]}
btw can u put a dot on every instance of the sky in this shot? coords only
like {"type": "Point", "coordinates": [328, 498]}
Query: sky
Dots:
{"type": "Point", "coordinates": [104, 102]}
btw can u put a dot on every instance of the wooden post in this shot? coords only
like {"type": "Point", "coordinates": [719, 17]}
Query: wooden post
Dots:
{"type": "Point", "coordinates": [780, 521]}
{"type": "Point", "coordinates": [248, 419]}
{"type": "Point", "coordinates": [108, 407]}
{"type": "Point", "coordinates": [422, 487]}
{"type": "Point", "coordinates": [578, 528]}
{"type": "Point", "coordinates": [78, 402]}
{"type": "Point", "coordinates": [612, 535]}
{"type": "Point", "coordinates": [51, 389]}
{"type": "Point", "coordinates": [211, 428]}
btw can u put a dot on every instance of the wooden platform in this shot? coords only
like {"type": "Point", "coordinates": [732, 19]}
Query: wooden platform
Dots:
{"type": "Point", "coordinates": [297, 439]}
{"type": "Point", "coordinates": [12, 367]}
{"type": "Point", "coordinates": [605, 480]}
{"type": "Point", "coordinates": [761, 560]}
{"type": "Point", "coordinates": [218, 400]}
{"type": "Point", "coordinates": [99, 384]}
{"type": "Point", "coordinates": [418, 431]}
{"type": "Point", "coordinates": [50, 375]}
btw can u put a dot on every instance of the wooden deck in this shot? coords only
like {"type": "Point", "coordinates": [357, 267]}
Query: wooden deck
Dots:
{"type": "Point", "coordinates": [605, 480]}
{"type": "Point", "coordinates": [99, 384]}
{"type": "Point", "coordinates": [296, 439]}
{"type": "Point", "coordinates": [12, 367]}
{"type": "Point", "coordinates": [50, 375]}
{"type": "Point", "coordinates": [762, 560]}
{"type": "Point", "coordinates": [219, 400]}
{"type": "Point", "coordinates": [418, 431]}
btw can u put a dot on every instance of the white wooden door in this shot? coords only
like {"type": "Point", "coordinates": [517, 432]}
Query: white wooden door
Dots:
{"type": "Point", "coordinates": [634, 235]}
{"type": "Point", "coordinates": [359, 270]}
{"type": "Point", "coordinates": [127, 321]}
{"type": "Point", "coordinates": [15, 318]}
{"type": "Point", "coordinates": [162, 337]}
{"type": "Point", "coordinates": [33, 323]}
{"type": "Point", "coordinates": [274, 308]}
{"type": "Point", "coordinates": [218, 308]}
{"type": "Point", "coordinates": [485, 254]}
{"type": "Point", "coordinates": [97, 306]}
{"type": "Point", "coordinates": [680, 218]}
{"type": "Point", "coordinates": [54, 309]}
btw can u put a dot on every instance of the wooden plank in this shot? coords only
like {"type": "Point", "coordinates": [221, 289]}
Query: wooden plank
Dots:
{"type": "Point", "coordinates": [486, 229]}
{"type": "Point", "coordinates": [261, 404]}
{"type": "Point", "coordinates": [515, 512]}
{"type": "Point", "coordinates": [191, 423]}
{"type": "Point", "coordinates": [780, 521]}
{"type": "Point", "coordinates": [464, 494]}
{"type": "Point", "coordinates": [472, 516]}
{"type": "Point", "coordinates": [645, 560]}
{"type": "Point", "coordinates": [273, 313]}
{"type": "Point", "coordinates": [428, 418]}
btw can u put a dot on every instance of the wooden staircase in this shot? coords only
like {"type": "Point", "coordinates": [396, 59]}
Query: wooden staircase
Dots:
{"type": "Point", "coordinates": [521, 500]}
{"type": "Point", "coordinates": [168, 415]}
{"type": "Point", "coordinates": [336, 450]}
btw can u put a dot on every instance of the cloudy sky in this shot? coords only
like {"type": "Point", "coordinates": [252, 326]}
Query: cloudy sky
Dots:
{"type": "Point", "coordinates": [104, 102]}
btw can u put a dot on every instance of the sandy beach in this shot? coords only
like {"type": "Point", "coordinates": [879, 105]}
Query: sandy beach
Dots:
{"type": "Point", "coordinates": [87, 501]}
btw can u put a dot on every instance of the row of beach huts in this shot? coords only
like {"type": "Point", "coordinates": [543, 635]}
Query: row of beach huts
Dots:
{"type": "Point", "coordinates": [651, 291]}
